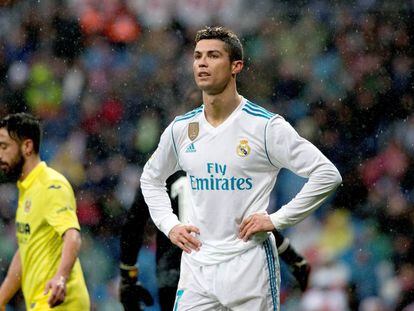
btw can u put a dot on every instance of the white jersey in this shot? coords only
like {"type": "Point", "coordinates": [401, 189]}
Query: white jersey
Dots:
{"type": "Point", "coordinates": [231, 170]}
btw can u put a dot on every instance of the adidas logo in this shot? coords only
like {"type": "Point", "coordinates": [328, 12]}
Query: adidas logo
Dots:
{"type": "Point", "coordinates": [190, 148]}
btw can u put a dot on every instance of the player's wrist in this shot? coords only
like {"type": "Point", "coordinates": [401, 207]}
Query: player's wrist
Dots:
{"type": "Point", "coordinates": [275, 222]}
{"type": "Point", "coordinates": [129, 273]}
{"type": "Point", "coordinates": [62, 276]}
{"type": "Point", "coordinates": [61, 280]}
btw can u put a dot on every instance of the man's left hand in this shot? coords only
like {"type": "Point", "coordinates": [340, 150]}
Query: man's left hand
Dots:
{"type": "Point", "coordinates": [259, 222]}
{"type": "Point", "coordinates": [57, 286]}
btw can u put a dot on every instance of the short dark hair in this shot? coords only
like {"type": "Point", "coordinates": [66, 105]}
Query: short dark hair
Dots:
{"type": "Point", "coordinates": [233, 44]}
{"type": "Point", "coordinates": [22, 126]}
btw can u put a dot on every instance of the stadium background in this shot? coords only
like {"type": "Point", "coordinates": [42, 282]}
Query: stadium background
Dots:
{"type": "Point", "coordinates": [107, 76]}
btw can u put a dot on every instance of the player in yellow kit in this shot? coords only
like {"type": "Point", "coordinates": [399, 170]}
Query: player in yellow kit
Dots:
{"type": "Point", "coordinates": [46, 265]}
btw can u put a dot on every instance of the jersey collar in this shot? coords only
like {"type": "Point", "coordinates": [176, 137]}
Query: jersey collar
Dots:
{"type": "Point", "coordinates": [26, 183]}
{"type": "Point", "coordinates": [226, 122]}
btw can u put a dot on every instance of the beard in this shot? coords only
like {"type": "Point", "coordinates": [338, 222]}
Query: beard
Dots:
{"type": "Point", "coordinates": [13, 171]}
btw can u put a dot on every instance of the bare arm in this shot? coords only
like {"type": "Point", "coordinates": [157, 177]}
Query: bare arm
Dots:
{"type": "Point", "coordinates": [12, 282]}
{"type": "Point", "coordinates": [70, 251]}
{"type": "Point", "coordinates": [71, 247]}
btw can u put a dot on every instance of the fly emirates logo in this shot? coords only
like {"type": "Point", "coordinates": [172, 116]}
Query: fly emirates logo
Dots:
{"type": "Point", "coordinates": [218, 180]}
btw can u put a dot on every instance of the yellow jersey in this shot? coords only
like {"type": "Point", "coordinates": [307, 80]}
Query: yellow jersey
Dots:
{"type": "Point", "coordinates": [46, 209]}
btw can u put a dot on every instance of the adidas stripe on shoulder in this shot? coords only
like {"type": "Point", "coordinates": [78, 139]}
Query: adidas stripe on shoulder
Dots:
{"type": "Point", "coordinates": [257, 111]}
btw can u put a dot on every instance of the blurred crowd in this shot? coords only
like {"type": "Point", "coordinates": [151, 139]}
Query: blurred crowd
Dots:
{"type": "Point", "coordinates": [107, 76]}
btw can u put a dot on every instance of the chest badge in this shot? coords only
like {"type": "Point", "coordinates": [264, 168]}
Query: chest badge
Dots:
{"type": "Point", "coordinates": [193, 130]}
{"type": "Point", "coordinates": [27, 206]}
{"type": "Point", "coordinates": [243, 149]}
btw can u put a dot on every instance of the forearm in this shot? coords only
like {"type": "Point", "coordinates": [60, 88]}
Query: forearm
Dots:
{"type": "Point", "coordinates": [321, 184]}
{"type": "Point", "coordinates": [159, 203]}
{"type": "Point", "coordinates": [132, 230]}
{"type": "Point", "coordinates": [288, 150]}
{"type": "Point", "coordinates": [12, 282]}
{"type": "Point", "coordinates": [162, 164]}
{"type": "Point", "coordinates": [70, 251]}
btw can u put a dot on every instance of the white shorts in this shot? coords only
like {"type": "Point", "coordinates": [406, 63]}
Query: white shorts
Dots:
{"type": "Point", "coordinates": [248, 282]}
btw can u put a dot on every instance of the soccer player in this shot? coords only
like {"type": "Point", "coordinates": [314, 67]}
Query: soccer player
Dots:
{"type": "Point", "coordinates": [46, 265]}
{"type": "Point", "coordinates": [132, 293]}
{"type": "Point", "coordinates": [232, 151]}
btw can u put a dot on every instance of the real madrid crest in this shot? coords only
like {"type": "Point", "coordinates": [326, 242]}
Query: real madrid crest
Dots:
{"type": "Point", "coordinates": [193, 130]}
{"type": "Point", "coordinates": [243, 148]}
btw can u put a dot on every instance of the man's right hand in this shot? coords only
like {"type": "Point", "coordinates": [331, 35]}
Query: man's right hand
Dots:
{"type": "Point", "coordinates": [181, 236]}
{"type": "Point", "coordinates": [132, 293]}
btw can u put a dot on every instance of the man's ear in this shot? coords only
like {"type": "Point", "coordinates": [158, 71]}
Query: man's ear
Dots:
{"type": "Point", "coordinates": [237, 66]}
{"type": "Point", "coordinates": [27, 147]}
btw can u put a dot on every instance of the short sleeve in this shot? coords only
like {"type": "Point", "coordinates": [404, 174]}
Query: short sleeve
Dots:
{"type": "Point", "coordinates": [60, 209]}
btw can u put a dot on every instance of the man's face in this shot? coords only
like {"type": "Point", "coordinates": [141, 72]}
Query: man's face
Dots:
{"type": "Point", "coordinates": [11, 158]}
{"type": "Point", "coordinates": [212, 67]}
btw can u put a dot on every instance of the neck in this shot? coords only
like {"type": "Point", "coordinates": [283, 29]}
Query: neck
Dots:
{"type": "Point", "coordinates": [29, 164]}
{"type": "Point", "coordinates": [219, 107]}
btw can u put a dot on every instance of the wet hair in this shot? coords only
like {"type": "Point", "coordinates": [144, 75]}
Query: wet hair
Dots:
{"type": "Point", "coordinates": [233, 44]}
{"type": "Point", "coordinates": [22, 126]}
